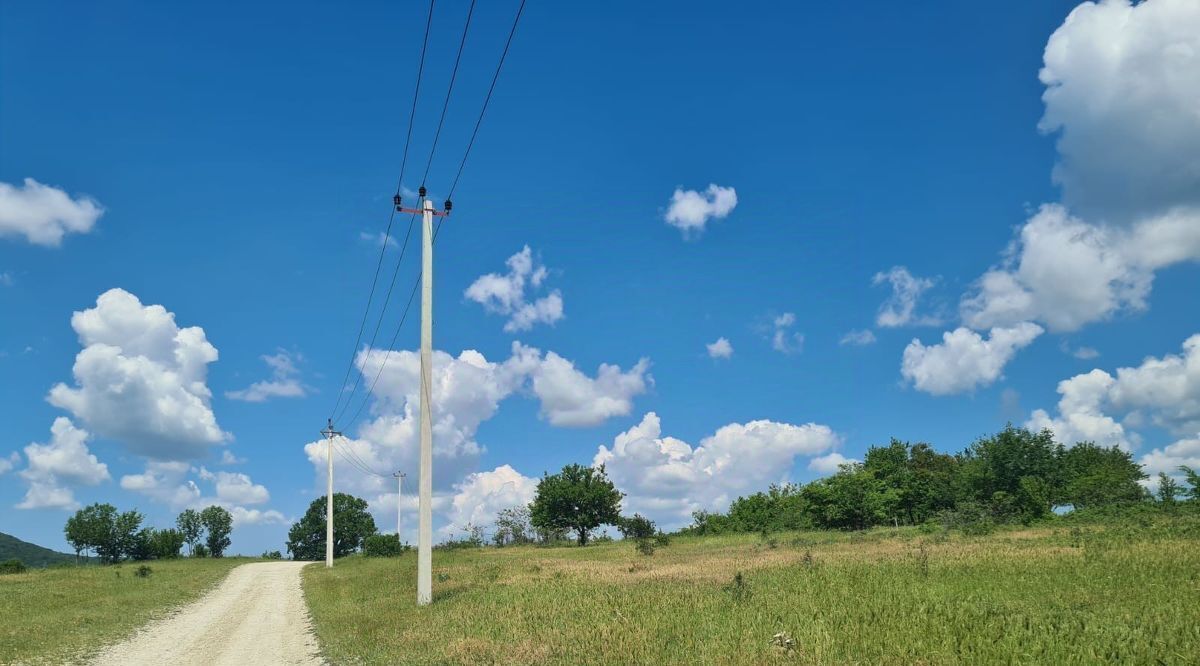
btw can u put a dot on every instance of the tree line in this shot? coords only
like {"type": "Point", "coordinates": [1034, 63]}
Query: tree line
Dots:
{"type": "Point", "coordinates": [1014, 476]}
{"type": "Point", "coordinates": [100, 530]}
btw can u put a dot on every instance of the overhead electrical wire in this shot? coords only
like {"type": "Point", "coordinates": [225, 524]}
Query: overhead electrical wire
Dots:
{"type": "Point", "coordinates": [449, 89]}
{"type": "Point", "coordinates": [458, 175]}
{"type": "Point", "coordinates": [391, 217]}
{"type": "Point", "coordinates": [433, 148]}
{"type": "Point", "coordinates": [491, 88]}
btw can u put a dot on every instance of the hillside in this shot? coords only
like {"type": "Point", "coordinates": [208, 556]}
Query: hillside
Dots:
{"type": "Point", "coordinates": [32, 555]}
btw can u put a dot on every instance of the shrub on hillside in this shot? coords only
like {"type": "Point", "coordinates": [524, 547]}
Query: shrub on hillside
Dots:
{"type": "Point", "coordinates": [272, 555]}
{"type": "Point", "coordinates": [383, 545]}
{"type": "Point", "coordinates": [13, 566]}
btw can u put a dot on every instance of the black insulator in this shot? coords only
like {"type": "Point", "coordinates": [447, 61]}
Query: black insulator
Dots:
{"type": "Point", "coordinates": [396, 200]}
{"type": "Point", "coordinates": [421, 191]}
{"type": "Point", "coordinates": [449, 205]}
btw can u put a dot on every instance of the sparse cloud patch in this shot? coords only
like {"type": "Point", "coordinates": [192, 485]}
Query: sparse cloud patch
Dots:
{"type": "Point", "coordinates": [690, 210]}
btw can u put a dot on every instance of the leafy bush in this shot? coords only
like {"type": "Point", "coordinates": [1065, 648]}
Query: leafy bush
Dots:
{"type": "Point", "coordinates": [13, 566]}
{"type": "Point", "coordinates": [636, 526]}
{"type": "Point", "coordinates": [143, 571]}
{"type": "Point", "coordinates": [272, 555]}
{"type": "Point", "coordinates": [383, 545]}
{"type": "Point", "coordinates": [645, 546]}
{"type": "Point", "coordinates": [199, 550]}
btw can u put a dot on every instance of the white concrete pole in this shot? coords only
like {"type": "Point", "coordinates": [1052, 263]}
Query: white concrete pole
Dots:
{"type": "Point", "coordinates": [329, 509]}
{"type": "Point", "coordinates": [425, 528]}
{"type": "Point", "coordinates": [399, 503]}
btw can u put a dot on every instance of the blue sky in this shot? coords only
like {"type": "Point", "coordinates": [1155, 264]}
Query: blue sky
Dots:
{"type": "Point", "coordinates": [901, 170]}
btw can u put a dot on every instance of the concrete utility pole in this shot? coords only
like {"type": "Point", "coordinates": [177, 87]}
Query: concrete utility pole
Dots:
{"type": "Point", "coordinates": [399, 501]}
{"type": "Point", "coordinates": [425, 525]}
{"type": "Point", "coordinates": [425, 483]}
{"type": "Point", "coordinates": [329, 433]}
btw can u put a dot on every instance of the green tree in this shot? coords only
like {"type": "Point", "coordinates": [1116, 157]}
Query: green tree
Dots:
{"type": "Point", "coordinates": [166, 544]}
{"type": "Point", "coordinates": [636, 526]}
{"type": "Point", "coordinates": [127, 542]}
{"type": "Point", "coordinates": [93, 528]}
{"type": "Point", "coordinates": [190, 526]}
{"type": "Point", "coordinates": [578, 499]}
{"type": "Point", "coordinates": [1193, 480]}
{"type": "Point", "coordinates": [218, 523]}
{"type": "Point", "coordinates": [1168, 489]}
{"type": "Point", "coordinates": [923, 479]}
{"type": "Point", "coordinates": [352, 523]}
{"type": "Point", "coordinates": [1000, 471]}
{"type": "Point", "coordinates": [512, 526]}
{"type": "Point", "coordinates": [851, 499]}
{"type": "Point", "coordinates": [1092, 476]}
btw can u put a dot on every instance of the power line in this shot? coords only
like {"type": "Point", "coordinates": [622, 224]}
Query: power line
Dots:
{"type": "Point", "coordinates": [395, 336]}
{"type": "Point", "coordinates": [487, 99]}
{"type": "Point", "coordinates": [349, 456]}
{"type": "Point", "coordinates": [391, 217]}
{"type": "Point", "coordinates": [449, 89]}
{"type": "Point", "coordinates": [379, 322]}
{"type": "Point", "coordinates": [454, 185]}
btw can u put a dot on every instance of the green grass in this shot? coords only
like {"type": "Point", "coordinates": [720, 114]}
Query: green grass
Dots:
{"type": "Point", "coordinates": [1031, 596]}
{"type": "Point", "coordinates": [64, 613]}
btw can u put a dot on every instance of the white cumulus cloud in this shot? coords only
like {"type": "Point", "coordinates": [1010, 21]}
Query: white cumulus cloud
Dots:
{"type": "Point", "coordinates": [44, 214]}
{"type": "Point", "coordinates": [506, 294]}
{"type": "Point", "coordinates": [691, 210]}
{"type": "Point", "coordinates": [721, 348]}
{"type": "Point", "coordinates": [667, 479]}
{"type": "Point", "coordinates": [55, 467]}
{"type": "Point", "coordinates": [1122, 88]}
{"type": "Point", "coordinates": [964, 360]}
{"type": "Point", "coordinates": [482, 495]}
{"type": "Point", "coordinates": [140, 379]}
{"type": "Point", "coordinates": [466, 391]}
{"type": "Point", "coordinates": [830, 463]}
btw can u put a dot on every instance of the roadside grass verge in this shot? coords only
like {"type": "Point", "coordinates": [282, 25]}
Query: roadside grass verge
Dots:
{"type": "Point", "coordinates": [66, 613]}
{"type": "Point", "coordinates": [890, 596]}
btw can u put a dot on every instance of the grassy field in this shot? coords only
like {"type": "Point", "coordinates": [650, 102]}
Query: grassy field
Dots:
{"type": "Point", "coordinates": [57, 614]}
{"type": "Point", "coordinates": [1044, 595]}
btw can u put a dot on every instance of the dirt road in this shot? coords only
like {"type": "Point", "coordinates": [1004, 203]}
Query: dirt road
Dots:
{"type": "Point", "coordinates": [256, 616]}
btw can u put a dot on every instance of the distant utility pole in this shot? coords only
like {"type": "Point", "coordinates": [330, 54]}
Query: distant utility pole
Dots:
{"type": "Point", "coordinates": [399, 500]}
{"type": "Point", "coordinates": [425, 486]}
{"type": "Point", "coordinates": [329, 433]}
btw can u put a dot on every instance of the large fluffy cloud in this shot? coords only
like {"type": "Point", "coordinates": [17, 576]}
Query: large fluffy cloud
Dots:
{"type": "Point", "coordinates": [1061, 271]}
{"type": "Point", "coordinates": [1122, 92]}
{"type": "Point", "coordinates": [571, 398]}
{"type": "Point", "coordinates": [140, 379]}
{"type": "Point", "coordinates": [506, 294]}
{"type": "Point", "coordinates": [691, 210]}
{"type": "Point", "coordinates": [1122, 89]}
{"type": "Point", "coordinates": [964, 360]}
{"type": "Point", "coordinates": [466, 391]}
{"type": "Point", "coordinates": [482, 495]}
{"type": "Point", "coordinates": [667, 479]}
{"type": "Point", "coordinates": [44, 214]}
{"type": "Point", "coordinates": [1164, 392]}
{"type": "Point", "coordinates": [55, 467]}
